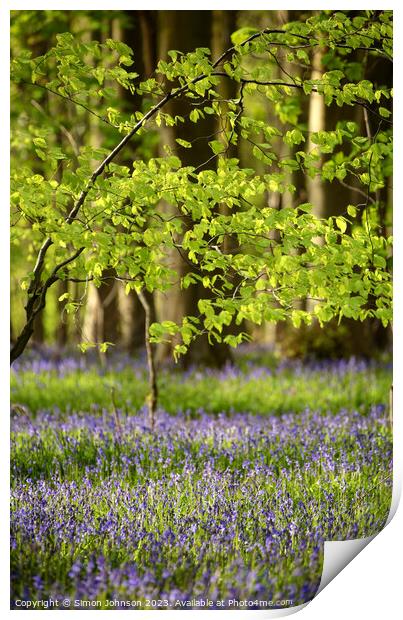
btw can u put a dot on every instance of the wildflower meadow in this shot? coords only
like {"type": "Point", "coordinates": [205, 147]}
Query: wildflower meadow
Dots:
{"type": "Point", "coordinates": [226, 502]}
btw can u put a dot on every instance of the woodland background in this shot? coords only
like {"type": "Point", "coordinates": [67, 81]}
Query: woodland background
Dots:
{"type": "Point", "coordinates": [107, 314]}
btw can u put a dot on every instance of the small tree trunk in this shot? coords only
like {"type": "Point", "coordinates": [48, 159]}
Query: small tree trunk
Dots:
{"type": "Point", "coordinates": [152, 398]}
{"type": "Point", "coordinates": [62, 330]}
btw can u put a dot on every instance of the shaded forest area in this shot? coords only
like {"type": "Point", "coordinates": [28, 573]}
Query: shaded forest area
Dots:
{"type": "Point", "coordinates": [106, 313]}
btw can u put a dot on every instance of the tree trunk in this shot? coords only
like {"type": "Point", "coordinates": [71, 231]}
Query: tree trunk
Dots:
{"type": "Point", "coordinates": [102, 302]}
{"type": "Point", "coordinates": [62, 330]}
{"type": "Point", "coordinates": [138, 30]}
{"type": "Point", "coordinates": [93, 316]}
{"type": "Point", "coordinates": [152, 397]}
{"type": "Point", "coordinates": [187, 30]}
{"type": "Point", "coordinates": [316, 122]}
{"type": "Point", "coordinates": [131, 320]}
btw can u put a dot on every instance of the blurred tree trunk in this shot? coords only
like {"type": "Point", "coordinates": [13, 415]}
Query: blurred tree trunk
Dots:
{"type": "Point", "coordinates": [102, 317]}
{"type": "Point", "coordinates": [138, 30]}
{"type": "Point", "coordinates": [132, 319]}
{"type": "Point", "coordinates": [275, 333]}
{"type": "Point", "coordinates": [92, 330]}
{"type": "Point", "coordinates": [59, 110]}
{"type": "Point", "coordinates": [224, 23]}
{"type": "Point", "coordinates": [148, 44]}
{"type": "Point", "coordinates": [185, 31]}
{"type": "Point", "coordinates": [316, 122]}
{"type": "Point", "coordinates": [38, 48]}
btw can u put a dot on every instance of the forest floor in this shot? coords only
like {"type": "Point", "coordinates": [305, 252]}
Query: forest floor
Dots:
{"type": "Point", "coordinates": [230, 498]}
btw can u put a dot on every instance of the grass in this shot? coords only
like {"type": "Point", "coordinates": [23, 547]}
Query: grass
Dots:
{"type": "Point", "coordinates": [254, 389]}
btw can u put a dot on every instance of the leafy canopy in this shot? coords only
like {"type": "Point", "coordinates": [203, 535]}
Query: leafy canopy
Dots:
{"type": "Point", "coordinates": [100, 215]}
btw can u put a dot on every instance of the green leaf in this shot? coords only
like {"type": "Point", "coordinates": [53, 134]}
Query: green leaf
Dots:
{"type": "Point", "coordinates": [41, 154]}
{"type": "Point", "coordinates": [184, 143]}
{"type": "Point", "coordinates": [240, 35]}
{"type": "Point", "coordinates": [104, 346]}
{"type": "Point", "coordinates": [295, 136]}
{"type": "Point", "coordinates": [379, 261]}
{"type": "Point", "coordinates": [261, 284]}
{"type": "Point", "coordinates": [99, 74]}
{"type": "Point", "coordinates": [341, 224]}
{"type": "Point", "coordinates": [179, 350]}
{"type": "Point", "coordinates": [384, 112]}
{"type": "Point", "coordinates": [41, 142]}
{"type": "Point", "coordinates": [170, 327]}
{"type": "Point", "coordinates": [84, 346]}
{"type": "Point", "coordinates": [296, 318]}
{"type": "Point", "coordinates": [217, 147]}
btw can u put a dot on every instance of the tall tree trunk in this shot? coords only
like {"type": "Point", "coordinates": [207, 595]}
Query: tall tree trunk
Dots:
{"type": "Point", "coordinates": [316, 122]}
{"type": "Point", "coordinates": [103, 303]}
{"type": "Point", "coordinates": [187, 30]}
{"type": "Point", "coordinates": [138, 30]}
